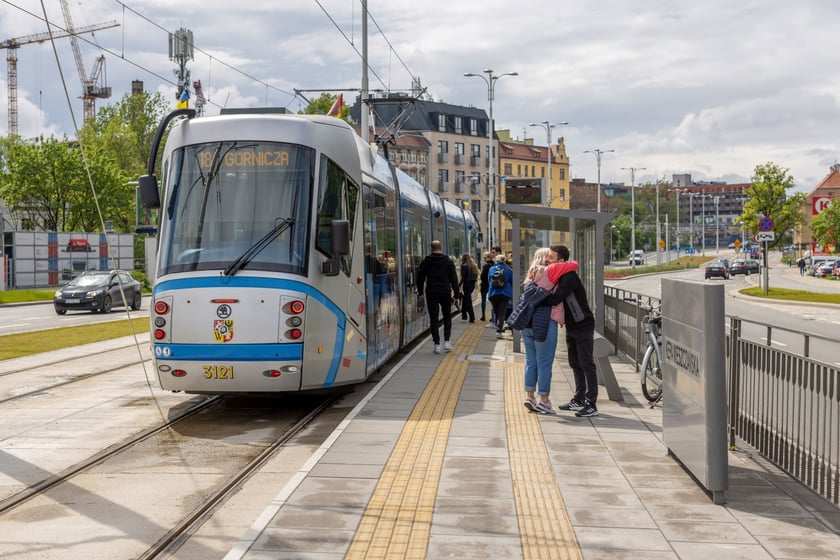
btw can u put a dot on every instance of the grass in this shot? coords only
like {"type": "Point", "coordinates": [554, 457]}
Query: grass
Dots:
{"type": "Point", "coordinates": [21, 296]}
{"type": "Point", "coordinates": [679, 264]}
{"type": "Point", "coordinates": [26, 344]}
{"type": "Point", "coordinates": [791, 295]}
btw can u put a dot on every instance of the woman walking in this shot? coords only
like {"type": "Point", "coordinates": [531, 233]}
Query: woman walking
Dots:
{"type": "Point", "coordinates": [540, 337]}
{"type": "Point", "coordinates": [469, 276]}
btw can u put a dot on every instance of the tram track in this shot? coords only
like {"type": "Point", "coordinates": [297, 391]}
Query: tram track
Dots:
{"type": "Point", "coordinates": [39, 488]}
{"type": "Point", "coordinates": [173, 539]}
{"type": "Point", "coordinates": [146, 495]}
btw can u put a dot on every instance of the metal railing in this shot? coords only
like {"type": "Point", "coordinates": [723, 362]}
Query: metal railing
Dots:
{"type": "Point", "coordinates": [784, 404]}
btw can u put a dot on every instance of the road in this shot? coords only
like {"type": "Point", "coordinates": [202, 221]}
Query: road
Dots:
{"type": "Point", "coordinates": [789, 320]}
{"type": "Point", "coordinates": [40, 316]}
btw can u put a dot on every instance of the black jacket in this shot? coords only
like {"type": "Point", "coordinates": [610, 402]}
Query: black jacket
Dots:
{"type": "Point", "coordinates": [437, 273]}
{"type": "Point", "coordinates": [468, 279]}
{"type": "Point", "coordinates": [485, 281]}
{"type": "Point", "coordinates": [570, 291]}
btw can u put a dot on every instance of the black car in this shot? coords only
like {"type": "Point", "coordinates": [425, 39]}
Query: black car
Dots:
{"type": "Point", "coordinates": [98, 291]}
{"type": "Point", "coordinates": [717, 270]}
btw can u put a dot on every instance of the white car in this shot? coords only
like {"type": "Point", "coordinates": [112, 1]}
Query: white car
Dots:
{"type": "Point", "coordinates": [637, 257]}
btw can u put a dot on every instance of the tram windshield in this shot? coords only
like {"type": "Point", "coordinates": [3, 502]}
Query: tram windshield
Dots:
{"type": "Point", "coordinates": [237, 206]}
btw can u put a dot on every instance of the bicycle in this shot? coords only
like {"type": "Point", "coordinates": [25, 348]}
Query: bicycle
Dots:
{"type": "Point", "coordinates": [651, 369]}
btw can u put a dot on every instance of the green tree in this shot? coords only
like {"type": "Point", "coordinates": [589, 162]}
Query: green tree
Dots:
{"type": "Point", "coordinates": [768, 196]}
{"type": "Point", "coordinates": [322, 105]}
{"type": "Point", "coordinates": [826, 224]}
{"type": "Point", "coordinates": [125, 130]}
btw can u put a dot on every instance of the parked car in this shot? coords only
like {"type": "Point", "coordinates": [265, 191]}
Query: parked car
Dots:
{"type": "Point", "coordinates": [836, 271]}
{"type": "Point", "coordinates": [745, 267]}
{"type": "Point", "coordinates": [725, 262]}
{"type": "Point", "coordinates": [717, 270]}
{"type": "Point", "coordinates": [825, 269]}
{"type": "Point", "coordinates": [98, 291]}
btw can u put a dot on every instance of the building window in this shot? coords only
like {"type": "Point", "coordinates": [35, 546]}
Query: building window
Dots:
{"type": "Point", "coordinates": [459, 148]}
{"type": "Point", "coordinates": [443, 175]}
{"type": "Point", "coordinates": [562, 173]}
{"type": "Point", "coordinates": [441, 123]}
{"type": "Point", "coordinates": [458, 125]}
{"type": "Point", "coordinates": [533, 173]}
{"type": "Point", "coordinates": [473, 127]}
{"type": "Point", "coordinates": [519, 170]}
{"type": "Point", "coordinates": [562, 194]}
{"type": "Point", "coordinates": [475, 150]}
{"type": "Point", "coordinates": [443, 146]}
{"type": "Point", "coordinates": [508, 169]}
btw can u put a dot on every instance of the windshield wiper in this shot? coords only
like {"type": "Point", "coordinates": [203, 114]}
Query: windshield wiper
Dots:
{"type": "Point", "coordinates": [261, 244]}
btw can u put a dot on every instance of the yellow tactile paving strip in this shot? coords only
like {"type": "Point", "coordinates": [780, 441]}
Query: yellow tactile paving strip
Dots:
{"type": "Point", "coordinates": [544, 525]}
{"type": "Point", "coordinates": [398, 518]}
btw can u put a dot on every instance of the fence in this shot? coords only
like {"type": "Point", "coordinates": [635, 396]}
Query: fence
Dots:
{"type": "Point", "coordinates": [784, 404]}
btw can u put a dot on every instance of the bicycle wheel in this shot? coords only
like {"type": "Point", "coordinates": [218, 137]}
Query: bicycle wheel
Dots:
{"type": "Point", "coordinates": [651, 375]}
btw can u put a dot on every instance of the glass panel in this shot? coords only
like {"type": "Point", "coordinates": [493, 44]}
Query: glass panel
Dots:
{"type": "Point", "coordinates": [237, 200]}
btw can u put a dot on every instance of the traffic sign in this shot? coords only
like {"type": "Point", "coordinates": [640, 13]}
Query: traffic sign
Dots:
{"type": "Point", "coordinates": [689, 250]}
{"type": "Point", "coordinates": [737, 243]}
{"type": "Point", "coordinates": [661, 243]}
{"type": "Point", "coordinates": [765, 236]}
{"type": "Point", "coordinates": [766, 224]}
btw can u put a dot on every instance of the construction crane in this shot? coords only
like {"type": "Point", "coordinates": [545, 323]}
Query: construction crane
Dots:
{"type": "Point", "coordinates": [91, 90]}
{"type": "Point", "coordinates": [11, 61]}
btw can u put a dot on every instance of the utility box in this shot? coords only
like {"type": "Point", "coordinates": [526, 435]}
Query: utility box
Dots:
{"type": "Point", "coordinates": [694, 412]}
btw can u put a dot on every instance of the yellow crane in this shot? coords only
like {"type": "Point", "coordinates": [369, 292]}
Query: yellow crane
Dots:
{"type": "Point", "coordinates": [11, 61]}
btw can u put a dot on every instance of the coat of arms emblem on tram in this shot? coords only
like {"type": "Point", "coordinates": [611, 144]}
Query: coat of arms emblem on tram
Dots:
{"type": "Point", "coordinates": [223, 330]}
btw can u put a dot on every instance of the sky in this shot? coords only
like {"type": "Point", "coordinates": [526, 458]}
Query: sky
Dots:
{"type": "Point", "coordinates": [711, 88]}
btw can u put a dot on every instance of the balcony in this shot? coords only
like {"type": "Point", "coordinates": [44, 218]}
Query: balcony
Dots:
{"type": "Point", "coordinates": [443, 157]}
{"type": "Point", "coordinates": [459, 185]}
{"type": "Point", "coordinates": [475, 160]}
{"type": "Point", "coordinates": [459, 159]}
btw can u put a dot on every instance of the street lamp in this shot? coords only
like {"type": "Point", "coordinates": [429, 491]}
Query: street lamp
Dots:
{"type": "Point", "coordinates": [679, 192]}
{"type": "Point", "coordinates": [548, 127]}
{"type": "Point", "coordinates": [612, 252]}
{"type": "Point", "coordinates": [598, 152]}
{"type": "Point", "coordinates": [490, 80]}
{"type": "Point", "coordinates": [691, 196]}
{"type": "Point", "coordinates": [632, 171]}
{"type": "Point", "coordinates": [717, 224]}
{"type": "Point", "coordinates": [703, 198]}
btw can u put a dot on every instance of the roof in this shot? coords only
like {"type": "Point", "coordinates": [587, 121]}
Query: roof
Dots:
{"type": "Point", "coordinates": [422, 115]}
{"type": "Point", "coordinates": [515, 150]}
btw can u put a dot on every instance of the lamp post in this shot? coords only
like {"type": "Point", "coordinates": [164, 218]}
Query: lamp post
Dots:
{"type": "Point", "coordinates": [598, 152]}
{"type": "Point", "coordinates": [691, 196]}
{"type": "Point", "coordinates": [612, 253]}
{"type": "Point", "coordinates": [632, 171]}
{"type": "Point", "coordinates": [490, 80]}
{"type": "Point", "coordinates": [703, 198]}
{"type": "Point", "coordinates": [679, 192]}
{"type": "Point", "coordinates": [717, 224]}
{"type": "Point", "coordinates": [548, 127]}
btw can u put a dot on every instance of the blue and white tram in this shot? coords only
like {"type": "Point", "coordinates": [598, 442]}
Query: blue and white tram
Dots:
{"type": "Point", "coordinates": [287, 251]}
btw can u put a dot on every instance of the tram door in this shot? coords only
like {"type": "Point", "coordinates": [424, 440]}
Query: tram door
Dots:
{"type": "Point", "coordinates": [381, 297]}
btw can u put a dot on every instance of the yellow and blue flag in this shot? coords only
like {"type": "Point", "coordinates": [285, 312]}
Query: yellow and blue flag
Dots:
{"type": "Point", "coordinates": [184, 100]}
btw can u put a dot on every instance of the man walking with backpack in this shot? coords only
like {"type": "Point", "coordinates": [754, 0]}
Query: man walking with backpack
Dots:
{"type": "Point", "coordinates": [500, 292]}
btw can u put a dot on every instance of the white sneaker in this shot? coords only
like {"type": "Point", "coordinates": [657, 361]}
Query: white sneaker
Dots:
{"type": "Point", "coordinates": [437, 348]}
{"type": "Point", "coordinates": [447, 346]}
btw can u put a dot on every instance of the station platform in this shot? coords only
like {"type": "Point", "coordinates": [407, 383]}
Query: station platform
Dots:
{"type": "Point", "coordinates": [442, 460]}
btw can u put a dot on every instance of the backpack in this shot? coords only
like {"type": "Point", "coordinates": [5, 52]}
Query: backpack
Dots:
{"type": "Point", "coordinates": [498, 279]}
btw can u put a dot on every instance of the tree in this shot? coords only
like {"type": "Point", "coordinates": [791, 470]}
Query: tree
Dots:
{"type": "Point", "coordinates": [826, 224]}
{"type": "Point", "coordinates": [768, 196]}
{"type": "Point", "coordinates": [322, 105]}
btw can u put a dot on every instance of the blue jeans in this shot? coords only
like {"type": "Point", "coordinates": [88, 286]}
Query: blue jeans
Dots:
{"type": "Point", "coordinates": [539, 358]}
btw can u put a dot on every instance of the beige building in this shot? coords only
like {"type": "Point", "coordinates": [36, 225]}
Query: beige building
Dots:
{"type": "Point", "coordinates": [533, 175]}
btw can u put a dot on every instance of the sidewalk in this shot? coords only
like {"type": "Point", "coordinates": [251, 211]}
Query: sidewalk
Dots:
{"type": "Point", "coordinates": [501, 482]}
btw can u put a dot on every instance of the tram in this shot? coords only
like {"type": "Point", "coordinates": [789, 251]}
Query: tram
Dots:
{"type": "Point", "coordinates": [286, 255]}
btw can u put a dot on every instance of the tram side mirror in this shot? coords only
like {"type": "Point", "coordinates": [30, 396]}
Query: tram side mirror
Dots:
{"type": "Point", "coordinates": [340, 243]}
{"type": "Point", "coordinates": [149, 193]}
